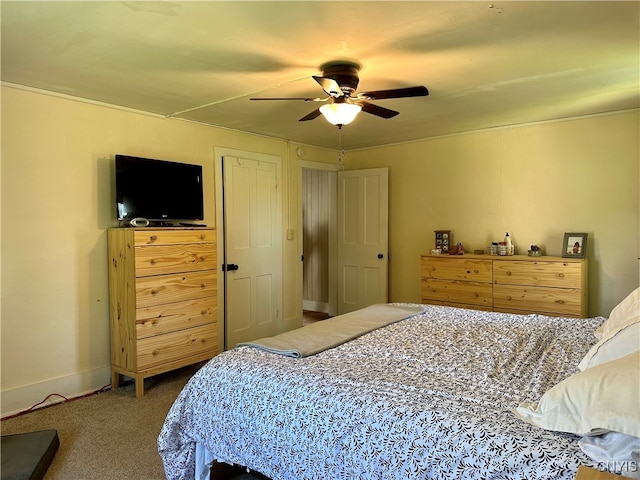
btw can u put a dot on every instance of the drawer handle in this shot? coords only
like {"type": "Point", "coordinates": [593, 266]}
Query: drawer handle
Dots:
{"type": "Point", "coordinates": [153, 261]}
{"type": "Point", "coordinates": [204, 312]}
{"type": "Point", "coordinates": [154, 292]}
{"type": "Point", "coordinates": [508, 274]}
{"type": "Point", "coordinates": [155, 353]}
{"type": "Point", "coordinates": [202, 237]}
{"type": "Point", "coordinates": [561, 275]}
{"type": "Point", "coordinates": [203, 285]}
{"type": "Point", "coordinates": [153, 238]}
{"type": "Point", "coordinates": [509, 297]}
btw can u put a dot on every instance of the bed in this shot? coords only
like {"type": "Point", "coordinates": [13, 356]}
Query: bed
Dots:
{"type": "Point", "coordinates": [440, 393]}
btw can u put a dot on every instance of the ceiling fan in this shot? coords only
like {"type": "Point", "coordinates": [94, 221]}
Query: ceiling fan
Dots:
{"type": "Point", "coordinates": [340, 80]}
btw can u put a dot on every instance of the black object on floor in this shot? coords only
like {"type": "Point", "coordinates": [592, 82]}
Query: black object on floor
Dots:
{"type": "Point", "coordinates": [27, 456]}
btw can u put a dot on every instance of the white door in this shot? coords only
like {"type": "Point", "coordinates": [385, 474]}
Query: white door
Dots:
{"type": "Point", "coordinates": [252, 260]}
{"type": "Point", "coordinates": [363, 238]}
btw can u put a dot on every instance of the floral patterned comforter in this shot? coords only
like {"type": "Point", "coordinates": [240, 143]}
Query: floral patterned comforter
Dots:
{"type": "Point", "coordinates": [430, 397]}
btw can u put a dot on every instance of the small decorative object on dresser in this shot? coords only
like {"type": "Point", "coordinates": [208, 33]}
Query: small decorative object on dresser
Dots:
{"type": "Point", "coordinates": [443, 240]}
{"type": "Point", "coordinates": [574, 245]}
{"type": "Point", "coordinates": [535, 251]}
{"type": "Point", "coordinates": [508, 244]}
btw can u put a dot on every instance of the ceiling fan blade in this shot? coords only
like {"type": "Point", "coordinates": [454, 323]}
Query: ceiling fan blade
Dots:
{"type": "Point", "coordinates": [329, 85]}
{"type": "Point", "coordinates": [310, 116]}
{"type": "Point", "coordinates": [395, 93]}
{"type": "Point", "coordinates": [376, 110]}
{"type": "Point", "coordinates": [292, 98]}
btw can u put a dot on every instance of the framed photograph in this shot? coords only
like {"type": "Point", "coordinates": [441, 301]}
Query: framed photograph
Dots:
{"type": "Point", "coordinates": [574, 245]}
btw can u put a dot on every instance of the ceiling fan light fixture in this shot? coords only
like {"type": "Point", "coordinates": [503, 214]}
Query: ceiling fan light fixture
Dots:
{"type": "Point", "coordinates": [340, 113]}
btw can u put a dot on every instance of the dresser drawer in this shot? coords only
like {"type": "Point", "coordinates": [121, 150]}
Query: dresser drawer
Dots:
{"type": "Point", "coordinates": [172, 288]}
{"type": "Point", "coordinates": [168, 236]}
{"type": "Point", "coordinates": [566, 302]}
{"type": "Point", "coordinates": [515, 284]}
{"type": "Point", "coordinates": [154, 351]}
{"type": "Point", "coordinates": [549, 274]}
{"type": "Point", "coordinates": [170, 317]}
{"type": "Point", "coordinates": [457, 268]}
{"type": "Point", "coordinates": [163, 259]}
{"type": "Point", "coordinates": [447, 292]}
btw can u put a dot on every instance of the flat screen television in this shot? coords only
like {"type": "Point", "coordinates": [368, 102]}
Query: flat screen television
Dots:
{"type": "Point", "coordinates": [158, 190]}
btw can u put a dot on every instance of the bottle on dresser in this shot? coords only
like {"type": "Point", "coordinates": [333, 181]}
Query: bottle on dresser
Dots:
{"type": "Point", "coordinates": [509, 245]}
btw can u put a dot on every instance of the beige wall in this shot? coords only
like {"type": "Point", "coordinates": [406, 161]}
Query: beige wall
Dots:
{"type": "Point", "coordinates": [57, 202]}
{"type": "Point", "coordinates": [536, 181]}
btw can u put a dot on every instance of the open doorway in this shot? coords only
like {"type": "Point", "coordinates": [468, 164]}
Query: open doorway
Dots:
{"type": "Point", "coordinates": [357, 262]}
{"type": "Point", "coordinates": [318, 183]}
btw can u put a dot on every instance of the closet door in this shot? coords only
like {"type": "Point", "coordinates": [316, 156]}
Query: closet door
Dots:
{"type": "Point", "coordinates": [253, 248]}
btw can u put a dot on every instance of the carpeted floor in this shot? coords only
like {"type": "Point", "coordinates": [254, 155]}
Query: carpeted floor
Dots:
{"type": "Point", "coordinates": [112, 435]}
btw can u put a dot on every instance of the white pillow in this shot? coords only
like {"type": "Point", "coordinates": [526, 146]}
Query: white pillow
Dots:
{"type": "Point", "coordinates": [622, 314]}
{"type": "Point", "coordinates": [620, 453]}
{"type": "Point", "coordinates": [603, 398]}
{"type": "Point", "coordinates": [615, 344]}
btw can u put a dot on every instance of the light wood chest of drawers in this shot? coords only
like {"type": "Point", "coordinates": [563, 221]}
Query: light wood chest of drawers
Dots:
{"type": "Point", "coordinates": [162, 300]}
{"type": "Point", "coordinates": [514, 284]}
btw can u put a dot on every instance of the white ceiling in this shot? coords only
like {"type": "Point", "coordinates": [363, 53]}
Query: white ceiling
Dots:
{"type": "Point", "coordinates": [486, 64]}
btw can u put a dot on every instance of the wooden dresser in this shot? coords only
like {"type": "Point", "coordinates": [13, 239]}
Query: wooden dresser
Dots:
{"type": "Point", "coordinates": [514, 284]}
{"type": "Point", "coordinates": [162, 300]}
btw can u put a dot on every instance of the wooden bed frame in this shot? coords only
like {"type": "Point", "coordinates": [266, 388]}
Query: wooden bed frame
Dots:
{"type": "Point", "coordinates": [588, 473]}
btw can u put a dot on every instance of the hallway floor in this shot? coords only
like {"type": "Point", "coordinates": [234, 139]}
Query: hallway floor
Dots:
{"type": "Point", "coordinates": [309, 317]}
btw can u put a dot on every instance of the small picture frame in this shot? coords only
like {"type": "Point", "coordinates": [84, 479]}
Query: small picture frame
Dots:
{"type": "Point", "coordinates": [574, 245]}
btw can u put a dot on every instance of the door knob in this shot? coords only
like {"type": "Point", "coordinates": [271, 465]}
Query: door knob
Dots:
{"type": "Point", "coordinates": [380, 256]}
{"type": "Point", "coordinates": [229, 267]}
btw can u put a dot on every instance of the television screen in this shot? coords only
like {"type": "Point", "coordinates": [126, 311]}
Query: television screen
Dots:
{"type": "Point", "coordinates": [158, 190]}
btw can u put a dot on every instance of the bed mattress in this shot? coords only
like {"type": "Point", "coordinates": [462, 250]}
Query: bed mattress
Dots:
{"type": "Point", "coordinates": [429, 397]}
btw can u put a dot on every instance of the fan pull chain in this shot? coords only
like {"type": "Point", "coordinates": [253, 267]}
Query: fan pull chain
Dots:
{"type": "Point", "coordinates": [341, 154]}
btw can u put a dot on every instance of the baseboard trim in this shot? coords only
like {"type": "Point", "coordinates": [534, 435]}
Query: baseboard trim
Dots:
{"type": "Point", "coordinates": [18, 399]}
{"type": "Point", "coordinates": [315, 306]}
